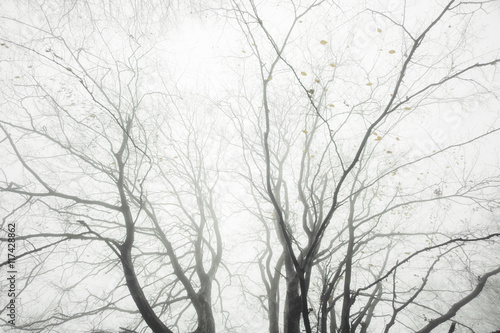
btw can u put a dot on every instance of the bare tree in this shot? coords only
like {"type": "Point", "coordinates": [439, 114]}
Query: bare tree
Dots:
{"type": "Point", "coordinates": [322, 142]}
{"type": "Point", "coordinates": [335, 138]}
{"type": "Point", "coordinates": [113, 172]}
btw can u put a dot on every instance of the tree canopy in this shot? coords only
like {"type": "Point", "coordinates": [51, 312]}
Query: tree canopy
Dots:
{"type": "Point", "coordinates": [242, 166]}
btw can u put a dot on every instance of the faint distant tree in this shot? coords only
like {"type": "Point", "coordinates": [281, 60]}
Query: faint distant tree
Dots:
{"type": "Point", "coordinates": [328, 148]}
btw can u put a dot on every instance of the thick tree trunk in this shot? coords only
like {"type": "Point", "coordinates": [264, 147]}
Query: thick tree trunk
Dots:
{"type": "Point", "coordinates": [327, 305]}
{"type": "Point", "coordinates": [147, 312]}
{"type": "Point", "coordinates": [333, 320]}
{"type": "Point", "coordinates": [324, 316]}
{"type": "Point", "coordinates": [371, 311]}
{"type": "Point", "coordinates": [203, 306]}
{"type": "Point", "coordinates": [347, 302]}
{"type": "Point", "coordinates": [206, 322]}
{"type": "Point", "coordinates": [273, 297]}
{"type": "Point", "coordinates": [293, 302]}
{"type": "Point", "coordinates": [273, 315]}
{"type": "Point", "coordinates": [138, 296]}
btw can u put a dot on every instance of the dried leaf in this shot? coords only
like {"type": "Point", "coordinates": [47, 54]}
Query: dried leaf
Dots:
{"type": "Point", "coordinates": [323, 42]}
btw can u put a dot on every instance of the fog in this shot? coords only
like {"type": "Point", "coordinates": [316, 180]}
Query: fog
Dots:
{"type": "Point", "coordinates": [242, 166]}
